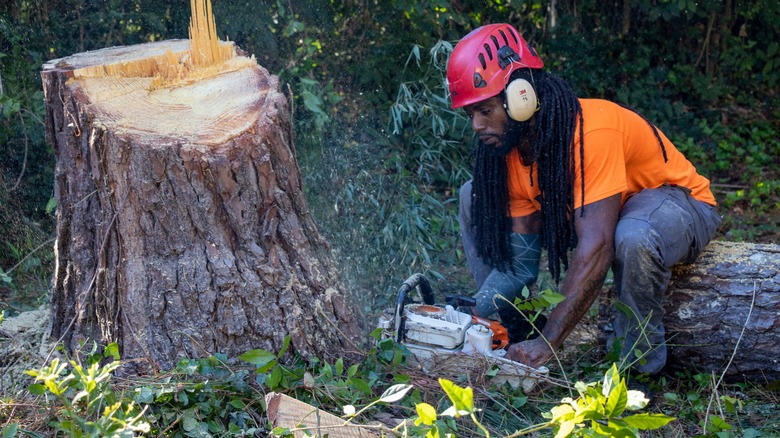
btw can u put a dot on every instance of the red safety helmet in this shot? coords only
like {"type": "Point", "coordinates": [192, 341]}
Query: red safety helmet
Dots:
{"type": "Point", "coordinates": [478, 67]}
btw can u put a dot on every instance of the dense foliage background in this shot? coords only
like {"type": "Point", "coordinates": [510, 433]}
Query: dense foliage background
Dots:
{"type": "Point", "coordinates": [382, 154]}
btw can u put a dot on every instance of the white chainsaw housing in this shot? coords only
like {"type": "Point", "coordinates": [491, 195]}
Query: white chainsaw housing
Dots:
{"type": "Point", "coordinates": [442, 339]}
{"type": "Point", "coordinates": [435, 326]}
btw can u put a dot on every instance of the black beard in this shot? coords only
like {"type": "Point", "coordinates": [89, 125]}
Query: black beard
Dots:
{"type": "Point", "coordinates": [490, 196]}
{"type": "Point", "coordinates": [515, 133]}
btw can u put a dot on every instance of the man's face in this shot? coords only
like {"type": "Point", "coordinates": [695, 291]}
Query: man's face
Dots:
{"type": "Point", "coordinates": [496, 130]}
{"type": "Point", "coordinates": [489, 120]}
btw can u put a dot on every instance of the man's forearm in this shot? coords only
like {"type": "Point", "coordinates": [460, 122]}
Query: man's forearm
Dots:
{"type": "Point", "coordinates": [581, 287]}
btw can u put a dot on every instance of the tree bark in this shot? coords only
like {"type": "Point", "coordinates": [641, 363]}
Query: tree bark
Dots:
{"type": "Point", "coordinates": [727, 303]}
{"type": "Point", "coordinates": [182, 228]}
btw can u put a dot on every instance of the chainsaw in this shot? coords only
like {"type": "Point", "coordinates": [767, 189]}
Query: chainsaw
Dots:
{"type": "Point", "coordinates": [442, 338]}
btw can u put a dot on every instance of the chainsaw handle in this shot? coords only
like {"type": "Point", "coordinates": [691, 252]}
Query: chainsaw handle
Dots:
{"type": "Point", "coordinates": [415, 281]}
{"type": "Point", "coordinates": [422, 285]}
{"type": "Point", "coordinates": [460, 301]}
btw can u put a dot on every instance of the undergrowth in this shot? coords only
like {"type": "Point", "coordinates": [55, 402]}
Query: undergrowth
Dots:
{"type": "Point", "coordinates": [221, 396]}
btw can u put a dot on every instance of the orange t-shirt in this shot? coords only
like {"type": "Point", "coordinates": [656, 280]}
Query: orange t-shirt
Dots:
{"type": "Point", "coordinates": [622, 155]}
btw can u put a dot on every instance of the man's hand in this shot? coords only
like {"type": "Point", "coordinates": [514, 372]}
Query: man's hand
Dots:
{"type": "Point", "coordinates": [534, 352]}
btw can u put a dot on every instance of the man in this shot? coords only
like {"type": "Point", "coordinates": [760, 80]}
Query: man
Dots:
{"type": "Point", "coordinates": [581, 174]}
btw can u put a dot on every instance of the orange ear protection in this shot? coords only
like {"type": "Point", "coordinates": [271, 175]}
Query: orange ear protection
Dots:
{"type": "Point", "coordinates": [520, 99]}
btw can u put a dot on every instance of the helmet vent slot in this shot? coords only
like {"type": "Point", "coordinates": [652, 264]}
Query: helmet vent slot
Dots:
{"type": "Point", "coordinates": [514, 37]}
{"type": "Point", "coordinates": [503, 35]}
{"type": "Point", "coordinates": [488, 51]}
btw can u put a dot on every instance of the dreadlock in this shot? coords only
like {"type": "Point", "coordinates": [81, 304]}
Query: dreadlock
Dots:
{"type": "Point", "coordinates": [652, 126]}
{"type": "Point", "coordinates": [554, 157]}
{"type": "Point", "coordinates": [489, 206]}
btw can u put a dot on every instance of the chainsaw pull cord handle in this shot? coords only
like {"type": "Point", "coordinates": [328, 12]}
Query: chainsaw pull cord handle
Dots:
{"type": "Point", "coordinates": [423, 286]}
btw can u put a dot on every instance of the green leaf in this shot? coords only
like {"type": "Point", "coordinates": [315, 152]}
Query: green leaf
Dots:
{"type": "Point", "coordinates": [144, 395]}
{"type": "Point", "coordinates": [395, 393]}
{"type": "Point", "coordinates": [561, 413]}
{"type": "Point", "coordinates": [37, 389]}
{"type": "Point", "coordinates": [79, 396]}
{"type": "Point", "coordinates": [718, 424]}
{"type": "Point", "coordinates": [189, 423]}
{"type": "Point", "coordinates": [258, 358]}
{"type": "Point", "coordinates": [565, 430]}
{"type": "Point", "coordinates": [281, 431]}
{"type": "Point", "coordinates": [112, 350]}
{"type": "Point", "coordinates": [622, 308]}
{"type": "Point", "coordinates": [339, 366]}
{"type": "Point", "coordinates": [611, 380]}
{"type": "Point", "coordinates": [616, 402]}
{"type": "Point", "coordinates": [10, 430]}
{"type": "Point", "coordinates": [238, 404]}
{"type": "Point", "coordinates": [266, 367]}
{"type": "Point", "coordinates": [603, 430]}
{"type": "Point", "coordinates": [648, 421]}
{"type": "Point", "coordinates": [414, 55]}
{"type": "Point", "coordinates": [183, 398]}
{"type": "Point", "coordinates": [376, 334]}
{"type": "Point", "coordinates": [51, 205]}
{"type": "Point", "coordinates": [6, 278]}
{"type": "Point", "coordinates": [352, 370]}
{"type": "Point", "coordinates": [361, 385]}
{"type": "Point", "coordinates": [427, 414]}
{"type": "Point", "coordinates": [312, 102]}
{"type": "Point", "coordinates": [285, 346]}
{"type": "Point", "coordinates": [551, 297]}
{"type": "Point", "coordinates": [619, 429]}
{"type": "Point", "coordinates": [462, 398]}
{"type": "Point", "coordinates": [275, 378]}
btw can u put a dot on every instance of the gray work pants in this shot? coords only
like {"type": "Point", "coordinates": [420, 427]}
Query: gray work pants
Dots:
{"type": "Point", "coordinates": [657, 228]}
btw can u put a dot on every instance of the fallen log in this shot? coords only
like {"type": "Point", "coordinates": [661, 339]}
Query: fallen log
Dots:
{"type": "Point", "coordinates": [723, 312]}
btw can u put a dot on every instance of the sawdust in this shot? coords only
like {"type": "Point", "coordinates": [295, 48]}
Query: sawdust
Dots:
{"type": "Point", "coordinates": [24, 345]}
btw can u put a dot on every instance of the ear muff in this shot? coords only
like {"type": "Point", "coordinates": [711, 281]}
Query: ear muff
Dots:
{"type": "Point", "coordinates": [520, 100]}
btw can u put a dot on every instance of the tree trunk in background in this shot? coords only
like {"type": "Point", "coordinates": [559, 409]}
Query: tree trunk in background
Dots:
{"type": "Point", "coordinates": [182, 228]}
{"type": "Point", "coordinates": [730, 287]}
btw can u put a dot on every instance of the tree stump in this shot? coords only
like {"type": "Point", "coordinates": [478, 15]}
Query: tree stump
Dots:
{"type": "Point", "coordinates": [728, 302]}
{"type": "Point", "coordinates": [182, 228]}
